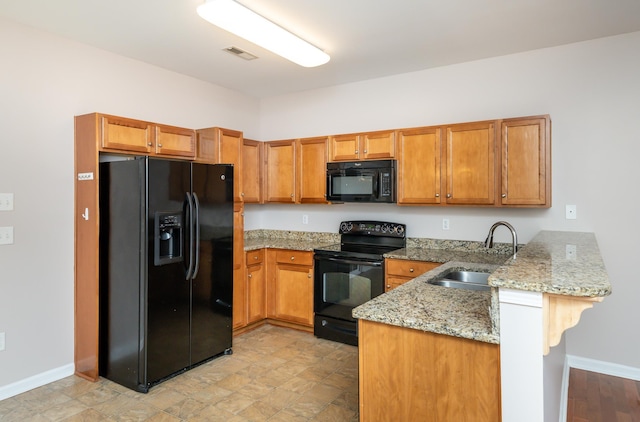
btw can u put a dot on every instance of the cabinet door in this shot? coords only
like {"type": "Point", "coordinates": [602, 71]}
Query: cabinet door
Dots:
{"type": "Point", "coordinates": [239, 288]}
{"type": "Point", "coordinates": [222, 146]}
{"type": "Point", "coordinates": [293, 294]}
{"type": "Point", "coordinates": [175, 141]}
{"type": "Point", "coordinates": [312, 169]}
{"type": "Point", "coordinates": [281, 180]}
{"type": "Point", "coordinates": [377, 145]}
{"type": "Point", "coordinates": [526, 162]}
{"type": "Point", "coordinates": [419, 152]}
{"type": "Point", "coordinates": [252, 171]}
{"type": "Point", "coordinates": [230, 152]}
{"type": "Point", "coordinates": [256, 293]}
{"type": "Point", "coordinates": [470, 163]}
{"type": "Point", "coordinates": [117, 133]}
{"type": "Point", "coordinates": [344, 147]}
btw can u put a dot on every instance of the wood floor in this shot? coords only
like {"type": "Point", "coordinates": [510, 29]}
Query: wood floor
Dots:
{"type": "Point", "coordinates": [596, 397]}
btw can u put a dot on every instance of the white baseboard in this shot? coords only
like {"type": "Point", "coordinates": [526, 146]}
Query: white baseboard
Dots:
{"type": "Point", "coordinates": [36, 381]}
{"type": "Point", "coordinates": [592, 365]}
{"type": "Point", "coordinates": [601, 367]}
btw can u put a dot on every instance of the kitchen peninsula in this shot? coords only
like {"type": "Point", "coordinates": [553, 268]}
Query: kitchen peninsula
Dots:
{"type": "Point", "coordinates": [533, 299]}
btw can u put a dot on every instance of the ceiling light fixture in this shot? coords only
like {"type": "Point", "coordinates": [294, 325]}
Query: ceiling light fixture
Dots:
{"type": "Point", "coordinates": [245, 23]}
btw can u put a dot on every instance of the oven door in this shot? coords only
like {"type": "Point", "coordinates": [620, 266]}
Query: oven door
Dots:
{"type": "Point", "coordinates": [341, 284]}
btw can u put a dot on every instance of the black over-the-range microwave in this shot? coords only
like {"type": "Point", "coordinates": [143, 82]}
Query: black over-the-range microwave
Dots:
{"type": "Point", "coordinates": [362, 181]}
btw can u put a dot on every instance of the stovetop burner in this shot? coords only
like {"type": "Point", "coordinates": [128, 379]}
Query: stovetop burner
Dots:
{"type": "Point", "coordinates": [367, 239]}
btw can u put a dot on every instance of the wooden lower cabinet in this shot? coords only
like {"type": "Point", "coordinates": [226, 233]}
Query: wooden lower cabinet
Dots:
{"type": "Point", "coordinates": [412, 375]}
{"type": "Point", "coordinates": [399, 271]}
{"type": "Point", "coordinates": [290, 286]}
{"type": "Point", "coordinates": [256, 288]}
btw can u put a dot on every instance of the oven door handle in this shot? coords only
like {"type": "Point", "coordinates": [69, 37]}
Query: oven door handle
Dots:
{"type": "Point", "coordinates": [350, 261]}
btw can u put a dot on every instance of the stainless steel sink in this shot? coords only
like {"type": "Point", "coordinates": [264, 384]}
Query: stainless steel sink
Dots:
{"type": "Point", "coordinates": [468, 276]}
{"type": "Point", "coordinates": [469, 280]}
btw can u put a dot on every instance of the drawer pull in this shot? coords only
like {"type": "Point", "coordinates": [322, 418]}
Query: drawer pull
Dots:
{"type": "Point", "coordinates": [410, 270]}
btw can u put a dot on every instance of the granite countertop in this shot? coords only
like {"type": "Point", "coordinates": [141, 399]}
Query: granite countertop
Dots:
{"type": "Point", "coordinates": [563, 263]}
{"type": "Point", "coordinates": [419, 305]}
{"type": "Point", "coordinates": [282, 239]}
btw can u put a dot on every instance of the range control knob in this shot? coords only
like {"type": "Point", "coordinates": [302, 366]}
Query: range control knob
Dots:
{"type": "Point", "coordinates": [399, 230]}
{"type": "Point", "coordinates": [386, 228]}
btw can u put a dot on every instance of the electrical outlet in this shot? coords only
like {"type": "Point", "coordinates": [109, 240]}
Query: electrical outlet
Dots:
{"type": "Point", "coordinates": [6, 202]}
{"type": "Point", "coordinates": [305, 219]}
{"type": "Point", "coordinates": [571, 252]}
{"type": "Point", "coordinates": [6, 235]}
{"type": "Point", "coordinates": [2, 342]}
{"type": "Point", "coordinates": [445, 224]}
{"type": "Point", "coordinates": [571, 212]}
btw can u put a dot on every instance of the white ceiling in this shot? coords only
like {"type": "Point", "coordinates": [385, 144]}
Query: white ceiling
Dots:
{"type": "Point", "coordinates": [365, 38]}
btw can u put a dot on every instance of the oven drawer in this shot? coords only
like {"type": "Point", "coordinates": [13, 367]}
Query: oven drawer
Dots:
{"type": "Point", "coordinates": [407, 268]}
{"type": "Point", "coordinates": [294, 257]}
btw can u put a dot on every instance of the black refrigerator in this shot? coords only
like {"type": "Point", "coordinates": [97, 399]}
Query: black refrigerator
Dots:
{"type": "Point", "coordinates": [166, 267]}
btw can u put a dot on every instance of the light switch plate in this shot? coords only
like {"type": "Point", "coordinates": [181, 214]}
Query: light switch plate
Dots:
{"type": "Point", "coordinates": [6, 202]}
{"type": "Point", "coordinates": [6, 235]}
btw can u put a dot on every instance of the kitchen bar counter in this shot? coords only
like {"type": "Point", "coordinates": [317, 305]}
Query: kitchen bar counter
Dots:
{"type": "Point", "coordinates": [558, 263]}
{"type": "Point", "coordinates": [561, 263]}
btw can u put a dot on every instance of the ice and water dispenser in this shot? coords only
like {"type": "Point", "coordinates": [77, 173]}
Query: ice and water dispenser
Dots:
{"type": "Point", "coordinates": [168, 244]}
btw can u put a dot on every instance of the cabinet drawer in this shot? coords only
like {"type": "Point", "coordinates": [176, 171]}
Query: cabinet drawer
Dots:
{"type": "Point", "coordinates": [407, 268]}
{"type": "Point", "coordinates": [255, 257]}
{"type": "Point", "coordinates": [294, 257]}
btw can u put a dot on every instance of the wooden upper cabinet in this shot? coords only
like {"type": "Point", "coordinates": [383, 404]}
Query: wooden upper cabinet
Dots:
{"type": "Point", "coordinates": [419, 156]}
{"type": "Point", "coordinates": [378, 145]}
{"type": "Point", "coordinates": [526, 162]}
{"type": "Point", "coordinates": [470, 153]}
{"type": "Point", "coordinates": [174, 141]}
{"type": "Point", "coordinates": [364, 146]}
{"type": "Point", "coordinates": [280, 183]}
{"type": "Point", "coordinates": [120, 134]}
{"type": "Point", "coordinates": [344, 147]}
{"type": "Point", "coordinates": [222, 146]}
{"type": "Point", "coordinates": [252, 165]}
{"type": "Point", "coordinates": [312, 169]}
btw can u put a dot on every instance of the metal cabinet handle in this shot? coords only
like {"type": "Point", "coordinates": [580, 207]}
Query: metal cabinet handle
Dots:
{"type": "Point", "coordinates": [150, 143]}
{"type": "Point", "coordinates": [357, 151]}
{"type": "Point", "coordinates": [365, 151]}
{"type": "Point", "coordinates": [410, 270]}
{"type": "Point", "coordinates": [241, 193]}
{"type": "Point", "coordinates": [504, 195]}
{"type": "Point", "coordinates": [293, 257]}
{"type": "Point", "coordinates": [448, 195]}
{"type": "Point", "coordinates": [249, 275]}
{"type": "Point", "coordinates": [159, 145]}
{"type": "Point", "coordinates": [437, 195]}
{"type": "Point", "coordinates": [255, 258]}
{"type": "Point", "coordinates": [308, 275]}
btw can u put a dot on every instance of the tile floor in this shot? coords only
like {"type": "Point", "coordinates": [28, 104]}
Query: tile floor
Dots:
{"type": "Point", "coordinates": [274, 374]}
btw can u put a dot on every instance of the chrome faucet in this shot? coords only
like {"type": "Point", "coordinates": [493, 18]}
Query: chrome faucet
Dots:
{"type": "Point", "coordinates": [488, 243]}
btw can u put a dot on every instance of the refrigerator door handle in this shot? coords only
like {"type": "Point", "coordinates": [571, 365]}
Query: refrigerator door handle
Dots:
{"type": "Point", "coordinates": [196, 244]}
{"type": "Point", "coordinates": [189, 222]}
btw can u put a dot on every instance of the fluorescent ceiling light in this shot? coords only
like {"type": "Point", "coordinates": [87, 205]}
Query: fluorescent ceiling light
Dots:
{"type": "Point", "coordinates": [245, 23]}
